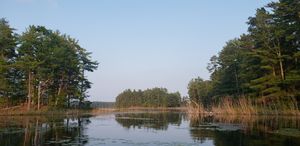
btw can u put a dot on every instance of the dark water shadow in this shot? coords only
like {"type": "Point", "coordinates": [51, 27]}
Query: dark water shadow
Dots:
{"type": "Point", "coordinates": [42, 130]}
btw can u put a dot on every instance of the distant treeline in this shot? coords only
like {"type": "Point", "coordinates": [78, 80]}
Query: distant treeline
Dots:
{"type": "Point", "coordinates": [263, 64]}
{"type": "Point", "coordinates": [41, 67]}
{"type": "Point", "coordinates": [156, 97]}
{"type": "Point", "coordinates": [99, 104]}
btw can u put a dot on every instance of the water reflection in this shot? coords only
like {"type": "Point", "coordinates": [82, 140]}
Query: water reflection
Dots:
{"type": "Point", "coordinates": [151, 120]}
{"type": "Point", "coordinates": [246, 130]}
{"type": "Point", "coordinates": [149, 128]}
{"type": "Point", "coordinates": [37, 131]}
{"type": "Point", "coordinates": [222, 130]}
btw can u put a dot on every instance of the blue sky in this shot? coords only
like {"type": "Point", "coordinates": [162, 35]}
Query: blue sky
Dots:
{"type": "Point", "coordinates": [140, 43]}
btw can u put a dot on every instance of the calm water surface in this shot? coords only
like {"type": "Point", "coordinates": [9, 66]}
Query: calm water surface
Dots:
{"type": "Point", "coordinates": [149, 128]}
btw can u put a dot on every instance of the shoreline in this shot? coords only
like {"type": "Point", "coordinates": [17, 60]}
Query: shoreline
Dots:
{"type": "Point", "coordinates": [21, 111]}
{"type": "Point", "coordinates": [98, 111]}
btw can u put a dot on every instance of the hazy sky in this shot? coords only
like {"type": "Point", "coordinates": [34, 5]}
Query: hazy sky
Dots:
{"type": "Point", "coordinates": [140, 43]}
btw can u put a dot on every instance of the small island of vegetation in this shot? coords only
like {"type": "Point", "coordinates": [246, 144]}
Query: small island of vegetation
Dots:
{"type": "Point", "coordinates": [155, 97]}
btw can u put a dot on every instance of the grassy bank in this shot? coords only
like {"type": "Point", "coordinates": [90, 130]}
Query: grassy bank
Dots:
{"type": "Point", "coordinates": [152, 108]}
{"type": "Point", "coordinates": [22, 111]}
{"type": "Point", "coordinates": [149, 109]}
{"type": "Point", "coordinates": [246, 106]}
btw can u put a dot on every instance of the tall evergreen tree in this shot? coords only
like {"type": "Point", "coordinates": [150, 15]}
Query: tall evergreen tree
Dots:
{"type": "Point", "coordinates": [8, 42]}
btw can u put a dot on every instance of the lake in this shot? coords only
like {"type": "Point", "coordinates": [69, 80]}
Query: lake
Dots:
{"type": "Point", "coordinates": [149, 128]}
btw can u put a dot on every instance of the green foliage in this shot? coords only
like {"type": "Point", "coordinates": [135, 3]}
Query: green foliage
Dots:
{"type": "Point", "coordinates": [261, 64]}
{"type": "Point", "coordinates": [155, 97]}
{"type": "Point", "coordinates": [8, 75]}
{"type": "Point", "coordinates": [200, 90]}
{"type": "Point", "coordinates": [46, 65]}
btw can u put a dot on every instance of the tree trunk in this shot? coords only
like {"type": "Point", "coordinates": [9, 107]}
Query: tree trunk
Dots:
{"type": "Point", "coordinates": [274, 72]}
{"type": "Point", "coordinates": [29, 90]}
{"type": "Point", "coordinates": [68, 101]}
{"type": "Point", "coordinates": [58, 93]}
{"type": "Point", "coordinates": [281, 66]}
{"type": "Point", "coordinates": [39, 94]}
{"type": "Point", "coordinates": [59, 89]}
{"type": "Point", "coordinates": [236, 80]}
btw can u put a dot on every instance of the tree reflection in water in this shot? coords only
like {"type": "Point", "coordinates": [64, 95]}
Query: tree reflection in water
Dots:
{"type": "Point", "coordinates": [150, 120]}
{"type": "Point", "coordinates": [38, 131]}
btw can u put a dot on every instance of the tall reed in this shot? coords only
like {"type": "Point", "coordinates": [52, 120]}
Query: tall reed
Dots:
{"type": "Point", "coordinates": [195, 108]}
{"type": "Point", "coordinates": [247, 106]}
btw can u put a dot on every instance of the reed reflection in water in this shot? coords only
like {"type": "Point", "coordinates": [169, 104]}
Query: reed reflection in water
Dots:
{"type": "Point", "coordinates": [246, 130]}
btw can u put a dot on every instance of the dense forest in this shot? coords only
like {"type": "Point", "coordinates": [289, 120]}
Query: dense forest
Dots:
{"type": "Point", "coordinates": [261, 65]}
{"type": "Point", "coordinates": [155, 97]}
{"type": "Point", "coordinates": [41, 67]}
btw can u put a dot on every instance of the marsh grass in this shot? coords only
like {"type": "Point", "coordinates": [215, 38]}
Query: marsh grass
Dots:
{"type": "Point", "coordinates": [242, 106]}
{"type": "Point", "coordinates": [194, 108]}
{"type": "Point", "coordinates": [246, 106]}
{"type": "Point", "coordinates": [98, 111]}
{"type": "Point", "coordinates": [22, 111]}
